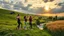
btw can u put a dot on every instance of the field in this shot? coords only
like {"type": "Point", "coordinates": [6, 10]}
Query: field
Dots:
{"type": "Point", "coordinates": [8, 25]}
{"type": "Point", "coordinates": [57, 25]}
{"type": "Point", "coordinates": [56, 28]}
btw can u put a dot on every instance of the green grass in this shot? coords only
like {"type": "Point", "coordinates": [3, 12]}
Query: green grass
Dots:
{"type": "Point", "coordinates": [8, 25]}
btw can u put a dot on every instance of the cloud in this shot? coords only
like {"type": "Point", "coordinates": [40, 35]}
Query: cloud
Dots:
{"type": "Point", "coordinates": [59, 9]}
{"type": "Point", "coordinates": [32, 5]}
{"type": "Point", "coordinates": [45, 1]}
{"type": "Point", "coordinates": [48, 1]}
{"type": "Point", "coordinates": [51, 0]}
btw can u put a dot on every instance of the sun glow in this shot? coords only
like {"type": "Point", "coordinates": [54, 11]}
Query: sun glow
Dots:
{"type": "Point", "coordinates": [46, 8]}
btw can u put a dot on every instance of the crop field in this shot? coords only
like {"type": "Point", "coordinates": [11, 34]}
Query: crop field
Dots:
{"type": "Point", "coordinates": [56, 28]}
{"type": "Point", "coordinates": [57, 25]}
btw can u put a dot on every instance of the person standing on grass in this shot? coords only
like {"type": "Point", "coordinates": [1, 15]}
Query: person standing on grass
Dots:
{"type": "Point", "coordinates": [30, 22]}
{"type": "Point", "coordinates": [25, 21]}
{"type": "Point", "coordinates": [18, 21]}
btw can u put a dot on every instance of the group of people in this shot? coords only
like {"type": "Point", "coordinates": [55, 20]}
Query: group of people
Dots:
{"type": "Point", "coordinates": [25, 21]}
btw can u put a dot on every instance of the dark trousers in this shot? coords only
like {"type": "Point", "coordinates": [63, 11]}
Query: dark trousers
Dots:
{"type": "Point", "coordinates": [18, 24]}
{"type": "Point", "coordinates": [30, 25]}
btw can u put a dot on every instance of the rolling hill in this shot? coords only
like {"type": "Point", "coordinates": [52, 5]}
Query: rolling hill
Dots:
{"type": "Point", "coordinates": [8, 25]}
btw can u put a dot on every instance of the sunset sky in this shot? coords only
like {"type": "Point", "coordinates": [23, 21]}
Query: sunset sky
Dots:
{"type": "Point", "coordinates": [35, 4]}
{"type": "Point", "coordinates": [39, 3]}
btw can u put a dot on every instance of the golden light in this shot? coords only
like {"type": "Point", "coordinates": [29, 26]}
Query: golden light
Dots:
{"type": "Point", "coordinates": [0, 6]}
{"type": "Point", "coordinates": [46, 8]}
{"type": "Point", "coordinates": [7, 0]}
{"type": "Point", "coordinates": [12, 6]}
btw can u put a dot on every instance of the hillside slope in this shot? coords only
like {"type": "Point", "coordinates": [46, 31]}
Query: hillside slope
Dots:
{"type": "Point", "coordinates": [8, 25]}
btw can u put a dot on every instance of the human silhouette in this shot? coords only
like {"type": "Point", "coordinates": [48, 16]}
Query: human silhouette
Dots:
{"type": "Point", "coordinates": [18, 21]}
{"type": "Point", "coordinates": [30, 22]}
{"type": "Point", "coordinates": [25, 21]}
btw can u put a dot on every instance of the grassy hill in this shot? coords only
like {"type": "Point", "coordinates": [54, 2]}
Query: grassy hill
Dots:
{"type": "Point", "coordinates": [8, 25]}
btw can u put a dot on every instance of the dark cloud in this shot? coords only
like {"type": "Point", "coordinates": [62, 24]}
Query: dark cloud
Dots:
{"type": "Point", "coordinates": [48, 1]}
{"type": "Point", "coordinates": [60, 4]}
{"type": "Point", "coordinates": [45, 1]}
{"type": "Point", "coordinates": [51, 0]}
{"type": "Point", "coordinates": [6, 6]}
{"type": "Point", "coordinates": [26, 1]}
{"type": "Point", "coordinates": [58, 10]}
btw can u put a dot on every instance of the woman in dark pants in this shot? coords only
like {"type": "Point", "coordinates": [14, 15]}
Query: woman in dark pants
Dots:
{"type": "Point", "coordinates": [18, 21]}
{"type": "Point", "coordinates": [30, 22]}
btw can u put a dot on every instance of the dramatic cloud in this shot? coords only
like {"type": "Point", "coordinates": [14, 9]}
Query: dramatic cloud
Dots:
{"type": "Point", "coordinates": [48, 1]}
{"type": "Point", "coordinates": [31, 5]}
{"type": "Point", "coordinates": [59, 9]}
